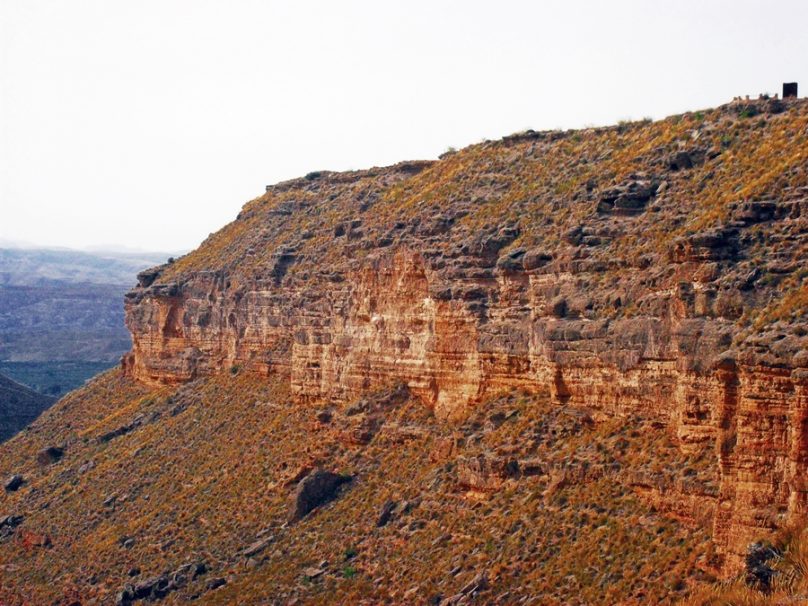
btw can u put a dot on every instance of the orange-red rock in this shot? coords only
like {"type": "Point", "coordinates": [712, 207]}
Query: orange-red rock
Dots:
{"type": "Point", "coordinates": [623, 291]}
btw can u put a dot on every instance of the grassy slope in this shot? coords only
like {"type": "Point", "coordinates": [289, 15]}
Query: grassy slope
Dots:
{"type": "Point", "coordinates": [203, 478]}
{"type": "Point", "coordinates": [789, 582]}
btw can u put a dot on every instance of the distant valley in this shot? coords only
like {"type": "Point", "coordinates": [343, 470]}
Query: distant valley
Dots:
{"type": "Point", "coordinates": [61, 321]}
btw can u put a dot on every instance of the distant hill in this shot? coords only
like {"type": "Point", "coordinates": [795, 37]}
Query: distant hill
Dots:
{"type": "Point", "coordinates": [35, 267]}
{"type": "Point", "coordinates": [61, 321]}
{"type": "Point", "coordinates": [54, 377]}
{"type": "Point", "coordinates": [19, 405]}
{"type": "Point", "coordinates": [65, 304]}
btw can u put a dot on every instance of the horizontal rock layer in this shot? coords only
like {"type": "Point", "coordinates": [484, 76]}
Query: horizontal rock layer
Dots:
{"type": "Point", "coordinates": [382, 325]}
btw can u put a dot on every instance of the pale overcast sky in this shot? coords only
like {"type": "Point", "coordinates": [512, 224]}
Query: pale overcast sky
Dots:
{"type": "Point", "coordinates": [149, 123]}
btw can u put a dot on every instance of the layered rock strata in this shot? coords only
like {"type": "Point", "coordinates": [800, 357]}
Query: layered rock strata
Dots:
{"type": "Point", "coordinates": [622, 290]}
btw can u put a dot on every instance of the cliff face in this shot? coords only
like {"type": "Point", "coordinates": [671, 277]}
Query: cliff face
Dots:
{"type": "Point", "coordinates": [652, 269]}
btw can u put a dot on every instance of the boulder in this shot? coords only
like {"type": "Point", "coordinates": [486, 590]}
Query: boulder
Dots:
{"type": "Point", "coordinates": [49, 455]}
{"type": "Point", "coordinates": [629, 198]}
{"type": "Point", "coordinates": [312, 572]}
{"type": "Point", "coordinates": [684, 159]}
{"type": "Point", "coordinates": [257, 547]}
{"type": "Point", "coordinates": [316, 489]}
{"type": "Point", "coordinates": [472, 588]}
{"type": "Point", "coordinates": [14, 482]}
{"type": "Point", "coordinates": [486, 244]}
{"type": "Point", "coordinates": [147, 277]}
{"type": "Point", "coordinates": [215, 583]}
{"type": "Point", "coordinates": [386, 514]}
{"type": "Point", "coordinates": [511, 261]}
{"type": "Point", "coordinates": [535, 258]}
{"type": "Point", "coordinates": [558, 307]}
{"type": "Point", "coordinates": [153, 588]}
{"type": "Point", "coordinates": [759, 572]}
{"type": "Point", "coordinates": [324, 416]}
{"type": "Point", "coordinates": [532, 467]}
{"type": "Point", "coordinates": [10, 521]}
{"type": "Point", "coordinates": [127, 542]}
{"type": "Point", "coordinates": [574, 235]}
{"type": "Point", "coordinates": [158, 587]}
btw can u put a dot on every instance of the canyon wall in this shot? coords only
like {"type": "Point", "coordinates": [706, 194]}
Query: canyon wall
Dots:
{"type": "Point", "coordinates": [626, 270]}
{"type": "Point", "coordinates": [384, 323]}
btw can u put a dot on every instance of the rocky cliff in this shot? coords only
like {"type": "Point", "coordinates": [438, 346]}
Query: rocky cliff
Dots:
{"type": "Point", "coordinates": [652, 268]}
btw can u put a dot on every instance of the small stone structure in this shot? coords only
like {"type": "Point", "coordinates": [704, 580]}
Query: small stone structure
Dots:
{"type": "Point", "coordinates": [789, 89]}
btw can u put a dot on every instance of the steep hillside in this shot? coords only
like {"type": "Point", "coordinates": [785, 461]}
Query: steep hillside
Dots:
{"type": "Point", "coordinates": [18, 406]}
{"type": "Point", "coordinates": [522, 499]}
{"type": "Point", "coordinates": [575, 364]}
{"type": "Point", "coordinates": [651, 267]}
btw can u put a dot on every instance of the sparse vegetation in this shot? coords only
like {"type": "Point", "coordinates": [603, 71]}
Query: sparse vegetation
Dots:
{"type": "Point", "coordinates": [207, 479]}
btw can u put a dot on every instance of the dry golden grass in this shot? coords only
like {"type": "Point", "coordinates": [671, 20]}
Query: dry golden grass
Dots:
{"type": "Point", "coordinates": [200, 480]}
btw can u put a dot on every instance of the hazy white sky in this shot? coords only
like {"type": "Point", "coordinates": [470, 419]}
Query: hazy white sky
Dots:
{"type": "Point", "coordinates": [149, 123]}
